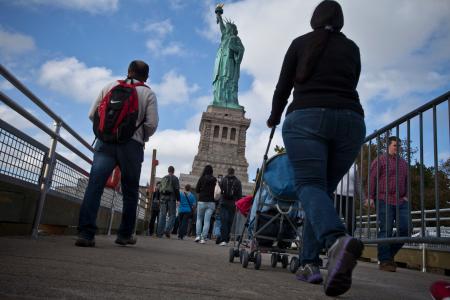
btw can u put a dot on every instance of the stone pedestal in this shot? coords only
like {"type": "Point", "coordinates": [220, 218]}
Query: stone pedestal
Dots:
{"type": "Point", "coordinates": [222, 145]}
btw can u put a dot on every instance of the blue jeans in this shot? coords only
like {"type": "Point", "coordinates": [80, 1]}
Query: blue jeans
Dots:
{"type": "Point", "coordinates": [217, 226]}
{"type": "Point", "coordinates": [227, 217]}
{"type": "Point", "coordinates": [204, 213]}
{"type": "Point", "coordinates": [184, 219]}
{"type": "Point", "coordinates": [321, 144]}
{"type": "Point", "coordinates": [168, 205]}
{"type": "Point", "coordinates": [128, 157]}
{"type": "Point", "coordinates": [387, 252]}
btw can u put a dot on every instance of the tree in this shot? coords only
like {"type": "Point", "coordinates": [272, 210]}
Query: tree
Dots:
{"type": "Point", "coordinates": [279, 149]}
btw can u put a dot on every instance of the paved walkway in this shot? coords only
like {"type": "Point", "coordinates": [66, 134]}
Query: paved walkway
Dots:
{"type": "Point", "coordinates": [52, 267]}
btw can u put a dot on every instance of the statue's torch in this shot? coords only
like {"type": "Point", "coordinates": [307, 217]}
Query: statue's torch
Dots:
{"type": "Point", "coordinates": [219, 11]}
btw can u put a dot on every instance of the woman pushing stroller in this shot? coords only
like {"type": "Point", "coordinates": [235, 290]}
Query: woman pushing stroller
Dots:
{"type": "Point", "coordinates": [323, 131]}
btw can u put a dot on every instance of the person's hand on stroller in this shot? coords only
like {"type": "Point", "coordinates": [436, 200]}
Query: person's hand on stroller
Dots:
{"type": "Point", "coordinates": [270, 124]}
{"type": "Point", "coordinates": [272, 121]}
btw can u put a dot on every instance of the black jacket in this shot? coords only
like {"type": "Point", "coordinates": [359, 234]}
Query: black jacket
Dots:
{"type": "Point", "coordinates": [156, 200]}
{"type": "Point", "coordinates": [228, 182]}
{"type": "Point", "coordinates": [205, 188]}
{"type": "Point", "coordinates": [332, 83]}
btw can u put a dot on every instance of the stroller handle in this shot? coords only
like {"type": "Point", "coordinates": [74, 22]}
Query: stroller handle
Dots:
{"type": "Point", "coordinates": [272, 132]}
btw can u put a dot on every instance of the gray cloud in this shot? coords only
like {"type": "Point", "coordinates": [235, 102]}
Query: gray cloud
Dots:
{"type": "Point", "coordinates": [14, 43]}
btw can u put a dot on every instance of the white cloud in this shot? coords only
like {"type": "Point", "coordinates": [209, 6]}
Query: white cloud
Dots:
{"type": "Point", "coordinates": [174, 147]}
{"type": "Point", "coordinates": [6, 85]}
{"type": "Point", "coordinates": [12, 43]}
{"type": "Point", "coordinates": [91, 6]}
{"type": "Point", "coordinates": [404, 49]}
{"type": "Point", "coordinates": [157, 44]}
{"type": "Point", "coordinates": [172, 49]}
{"type": "Point", "coordinates": [160, 28]}
{"type": "Point", "coordinates": [158, 48]}
{"type": "Point", "coordinates": [154, 45]}
{"type": "Point", "coordinates": [394, 84]}
{"type": "Point", "coordinates": [443, 156]}
{"type": "Point", "coordinates": [14, 119]}
{"type": "Point", "coordinates": [177, 4]}
{"type": "Point", "coordinates": [73, 78]}
{"type": "Point", "coordinates": [174, 88]}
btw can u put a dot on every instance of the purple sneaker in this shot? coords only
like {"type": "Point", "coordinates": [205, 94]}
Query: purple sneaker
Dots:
{"type": "Point", "coordinates": [309, 273]}
{"type": "Point", "coordinates": [342, 255]}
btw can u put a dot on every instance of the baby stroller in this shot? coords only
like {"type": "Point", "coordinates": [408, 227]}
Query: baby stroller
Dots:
{"type": "Point", "coordinates": [275, 219]}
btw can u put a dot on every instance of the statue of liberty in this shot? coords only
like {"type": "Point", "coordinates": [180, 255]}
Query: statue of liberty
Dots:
{"type": "Point", "coordinates": [227, 64]}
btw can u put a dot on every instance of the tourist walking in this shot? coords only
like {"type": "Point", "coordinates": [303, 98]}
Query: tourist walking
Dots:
{"type": "Point", "coordinates": [323, 132]}
{"type": "Point", "coordinates": [170, 194]}
{"type": "Point", "coordinates": [231, 192]}
{"type": "Point", "coordinates": [206, 206]}
{"type": "Point", "coordinates": [188, 204]}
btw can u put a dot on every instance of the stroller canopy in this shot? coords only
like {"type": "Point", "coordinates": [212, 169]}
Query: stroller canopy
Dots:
{"type": "Point", "coordinates": [279, 177]}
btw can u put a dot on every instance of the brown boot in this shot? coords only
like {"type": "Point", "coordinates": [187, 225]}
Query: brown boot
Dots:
{"type": "Point", "coordinates": [388, 266]}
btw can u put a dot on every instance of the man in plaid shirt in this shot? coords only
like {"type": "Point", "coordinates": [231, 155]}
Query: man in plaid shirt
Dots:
{"type": "Point", "coordinates": [387, 191]}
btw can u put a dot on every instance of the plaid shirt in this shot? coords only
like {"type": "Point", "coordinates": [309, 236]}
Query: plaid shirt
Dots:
{"type": "Point", "coordinates": [391, 188]}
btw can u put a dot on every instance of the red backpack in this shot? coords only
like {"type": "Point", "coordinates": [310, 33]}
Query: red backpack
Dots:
{"type": "Point", "coordinates": [116, 116]}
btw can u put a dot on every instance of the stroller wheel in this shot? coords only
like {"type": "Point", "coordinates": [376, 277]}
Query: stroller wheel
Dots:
{"type": "Point", "coordinates": [258, 259]}
{"type": "Point", "coordinates": [284, 261]}
{"type": "Point", "coordinates": [245, 258]}
{"type": "Point", "coordinates": [240, 255]}
{"type": "Point", "coordinates": [294, 264]}
{"type": "Point", "coordinates": [231, 255]}
{"type": "Point", "coordinates": [273, 260]}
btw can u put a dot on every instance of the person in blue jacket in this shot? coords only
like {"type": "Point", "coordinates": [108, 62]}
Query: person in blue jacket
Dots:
{"type": "Point", "coordinates": [186, 209]}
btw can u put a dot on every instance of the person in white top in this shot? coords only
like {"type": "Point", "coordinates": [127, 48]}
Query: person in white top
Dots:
{"type": "Point", "coordinates": [128, 154]}
{"type": "Point", "coordinates": [344, 198]}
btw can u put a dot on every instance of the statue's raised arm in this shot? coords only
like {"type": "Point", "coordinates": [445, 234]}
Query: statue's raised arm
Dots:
{"type": "Point", "coordinates": [227, 65]}
{"type": "Point", "coordinates": [219, 12]}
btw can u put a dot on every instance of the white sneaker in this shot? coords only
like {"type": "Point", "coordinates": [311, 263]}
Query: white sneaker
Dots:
{"type": "Point", "coordinates": [223, 244]}
{"type": "Point", "coordinates": [202, 242]}
{"type": "Point", "coordinates": [197, 239]}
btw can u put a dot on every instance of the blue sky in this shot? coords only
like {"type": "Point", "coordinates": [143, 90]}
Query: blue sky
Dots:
{"type": "Point", "coordinates": [65, 51]}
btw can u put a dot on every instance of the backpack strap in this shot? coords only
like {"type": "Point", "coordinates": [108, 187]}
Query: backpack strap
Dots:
{"type": "Point", "coordinates": [189, 202]}
{"type": "Point", "coordinates": [138, 83]}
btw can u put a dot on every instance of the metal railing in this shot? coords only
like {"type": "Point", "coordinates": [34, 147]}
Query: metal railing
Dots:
{"type": "Point", "coordinates": [426, 188]}
{"type": "Point", "coordinates": [23, 160]}
{"type": "Point", "coordinates": [426, 184]}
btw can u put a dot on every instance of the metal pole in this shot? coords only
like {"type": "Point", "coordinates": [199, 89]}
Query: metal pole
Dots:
{"type": "Point", "coordinates": [45, 181]}
{"type": "Point", "coordinates": [361, 193]}
{"type": "Point", "coordinates": [422, 188]}
{"type": "Point", "coordinates": [151, 187]}
{"type": "Point", "coordinates": [111, 217]}
{"type": "Point", "coordinates": [436, 174]}
{"type": "Point", "coordinates": [347, 203]}
{"type": "Point", "coordinates": [397, 195]}
{"type": "Point", "coordinates": [368, 188]}
{"type": "Point", "coordinates": [341, 198]}
{"type": "Point", "coordinates": [354, 200]}
{"type": "Point", "coordinates": [424, 258]}
{"type": "Point", "coordinates": [386, 196]}
{"type": "Point", "coordinates": [377, 204]}
{"type": "Point", "coordinates": [335, 201]}
{"type": "Point", "coordinates": [137, 216]}
{"type": "Point", "coordinates": [408, 144]}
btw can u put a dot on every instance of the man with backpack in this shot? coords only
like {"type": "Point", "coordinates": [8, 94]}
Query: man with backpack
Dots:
{"type": "Point", "coordinates": [125, 115]}
{"type": "Point", "coordinates": [231, 192]}
{"type": "Point", "coordinates": [170, 194]}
